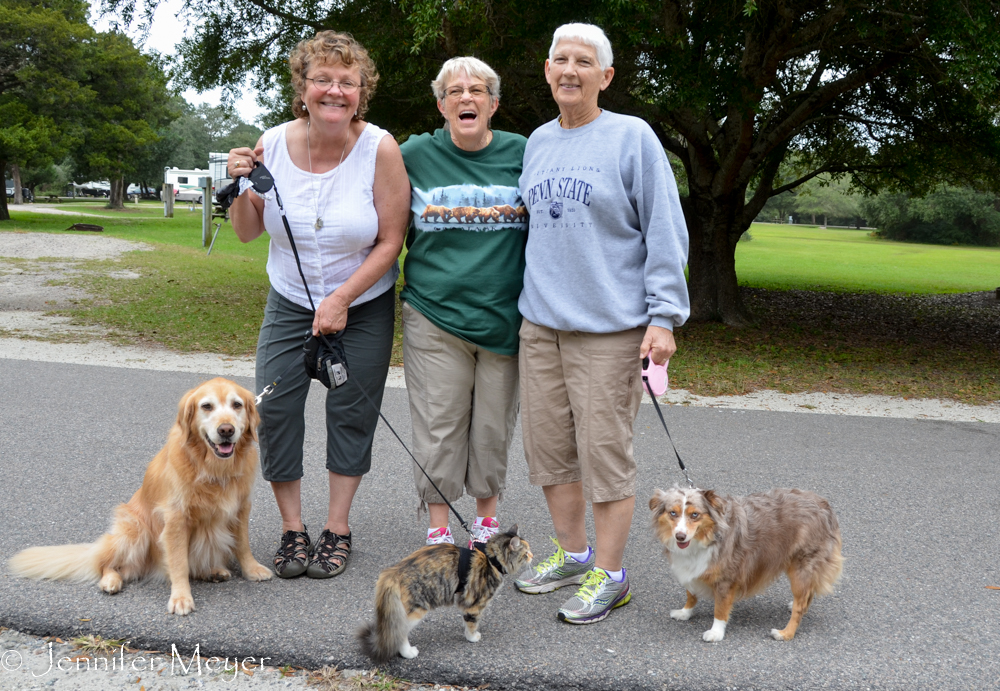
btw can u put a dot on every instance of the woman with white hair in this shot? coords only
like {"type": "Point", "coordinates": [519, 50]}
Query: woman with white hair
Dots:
{"type": "Point", "coordinates": [604, 288]}
{"type": "Point", "coordinates": [463, 269]}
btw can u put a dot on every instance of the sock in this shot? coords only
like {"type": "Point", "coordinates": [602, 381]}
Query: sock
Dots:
{"type": "Point", "coordinates": [580, 557]}
{"type": "Point", "coordinates": [488, 521]}
{"type": "Point", "coordinates": [616, 576]}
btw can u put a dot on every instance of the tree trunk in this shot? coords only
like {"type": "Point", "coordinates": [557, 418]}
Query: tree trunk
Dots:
{"type": "Point", "coordinates": [712, 284]}
{"type": "Point", "coordinates": [115, 200]}
{"type": "Point", "coordinates": [15, 172]}
{"type": "Point", "coordinates": [4, 212]}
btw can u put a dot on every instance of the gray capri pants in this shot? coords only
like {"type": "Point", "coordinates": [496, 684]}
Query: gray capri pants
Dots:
{"type": "Point", "coordinates": [350, 419]}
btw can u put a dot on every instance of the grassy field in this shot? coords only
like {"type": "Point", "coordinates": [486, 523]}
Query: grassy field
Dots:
{"type": "Point", "coordinates": [188, 301]}
{"type": "Point", "coordinates": [785, 257]}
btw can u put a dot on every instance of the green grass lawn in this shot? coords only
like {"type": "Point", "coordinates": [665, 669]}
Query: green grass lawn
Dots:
{"type": "Point", "coordinates": [191, 302]}
{"type": "Point", "coordinates": [809, 258]}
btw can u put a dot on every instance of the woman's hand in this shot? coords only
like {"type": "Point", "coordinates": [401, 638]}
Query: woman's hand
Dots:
{"type": "Point", "coordinates": [241, 161]}
{"type": "Point", "coordinates": [331, 315]}
{"type": "Point", "coordinates": [658, 343]}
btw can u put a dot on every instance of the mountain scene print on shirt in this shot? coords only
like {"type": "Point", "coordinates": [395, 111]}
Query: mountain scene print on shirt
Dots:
{"type": "Point", "coordinates": [469, 207]}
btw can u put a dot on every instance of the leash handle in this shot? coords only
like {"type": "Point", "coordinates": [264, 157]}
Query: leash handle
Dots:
{"type": "Point", "coordinates": [663, 422]}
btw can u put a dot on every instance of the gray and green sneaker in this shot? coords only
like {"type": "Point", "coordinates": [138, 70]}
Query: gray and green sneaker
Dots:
{"type": "Point", "coordinates": [553, 573]}
{"type": "Point", "coordinates": [595, 599]}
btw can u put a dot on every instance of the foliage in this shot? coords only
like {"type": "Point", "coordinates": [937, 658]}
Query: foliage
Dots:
{"type": "Point", "coordinates": [130, 104]}
{"type": "Point", "coordinates": [203, 129]}
{"type": "Point", "coordinates": [948, 216]}
{"type": "Point", "coordinates": [42, 49]}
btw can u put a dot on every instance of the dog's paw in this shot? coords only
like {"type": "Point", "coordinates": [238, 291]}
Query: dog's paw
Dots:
{"type": "Point", "coordinates": [681, 614]}
{"type": "Point", "coordinates": [716, 633]}
{"type": "Point", "coordinates": [219, 575]}
{"type": "Point", "coordinates": [473, 637]}
{"type": "Point", "coordinates": [257, 572]}
{"type": "Point", "coordinates": [408, 651]}
{"type": "Point", "coordinates": [779, 635]}
{"type": "Point", "coordinates": [180, 604]}
{"type": "Point", "coordinates": [111, 583]}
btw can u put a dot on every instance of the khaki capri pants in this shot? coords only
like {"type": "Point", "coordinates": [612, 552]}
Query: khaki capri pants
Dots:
{"type": "Point", "coordinates": [580, 395]}
{"type": "Point", "coordinates": [463, 406]}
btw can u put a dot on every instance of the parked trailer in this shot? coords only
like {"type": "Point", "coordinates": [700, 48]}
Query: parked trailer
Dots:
{"type": "Point", "coordinates": [185, 184]}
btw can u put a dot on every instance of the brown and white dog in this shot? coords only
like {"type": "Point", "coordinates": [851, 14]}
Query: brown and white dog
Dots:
{"type": "Point", "coordinates": [191, 515]}
{"type": "Point", "coordinates": [731, 548]}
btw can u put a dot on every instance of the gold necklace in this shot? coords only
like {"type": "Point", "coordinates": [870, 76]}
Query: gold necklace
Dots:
{"type": "Point", "coordinates": [312, 181]}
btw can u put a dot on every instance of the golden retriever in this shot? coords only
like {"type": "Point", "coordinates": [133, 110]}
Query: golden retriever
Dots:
{"type": "Point", "coordinates": [189, 517]}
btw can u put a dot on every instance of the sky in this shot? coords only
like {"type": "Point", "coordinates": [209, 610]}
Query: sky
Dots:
{"type": "Point", "coordinates": [166, 32]}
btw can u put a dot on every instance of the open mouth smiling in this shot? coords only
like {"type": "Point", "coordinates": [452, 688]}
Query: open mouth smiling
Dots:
{"type": "Point", "coordinates": [222, 450]}
{"type": "Point", "coordinates": [467, 116]}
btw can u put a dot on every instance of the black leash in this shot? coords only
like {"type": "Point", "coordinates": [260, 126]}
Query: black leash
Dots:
{"type": "Point", "coordinates": [656, 404]}
{"type": "Point", "coordinates": [263, 183]}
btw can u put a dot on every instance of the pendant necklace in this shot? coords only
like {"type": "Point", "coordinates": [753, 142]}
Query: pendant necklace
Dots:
{"type": "Point", "coordinates": [312, 181]}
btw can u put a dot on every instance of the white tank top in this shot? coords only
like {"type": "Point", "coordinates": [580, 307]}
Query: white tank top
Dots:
{"type": "Point", "coordinates": [344, 199]}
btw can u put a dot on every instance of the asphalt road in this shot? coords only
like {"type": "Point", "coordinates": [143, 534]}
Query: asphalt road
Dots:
{"type": "Point", "coordinates": [918, 503]}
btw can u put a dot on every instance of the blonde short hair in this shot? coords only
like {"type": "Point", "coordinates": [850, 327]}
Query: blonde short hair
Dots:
{"type": "Point", "coordinates": [474, 67]}
{"type": "Point", "coordinates": [589, 34]}
{"type": "Point", "coordinates": [331, 48]}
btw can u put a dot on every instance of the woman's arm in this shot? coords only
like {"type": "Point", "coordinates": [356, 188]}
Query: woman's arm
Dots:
{"type": "Point", "coordinates": [247, 212]}
{"type": "Point", "coordinates": [391, 192]}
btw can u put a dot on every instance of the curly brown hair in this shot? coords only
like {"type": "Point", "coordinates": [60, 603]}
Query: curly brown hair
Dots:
{"type": "Point", "coordinates": [331, 48]}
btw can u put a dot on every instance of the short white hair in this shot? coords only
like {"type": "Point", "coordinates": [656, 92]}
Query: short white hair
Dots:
{"type": "Point", "coordinates": [474, 68]}
{"type": "Point", "coordinates": [589, 34]}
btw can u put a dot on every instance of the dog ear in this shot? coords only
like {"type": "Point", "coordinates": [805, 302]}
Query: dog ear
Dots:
{"type": "Point", "coordinates": [656, 501]}
{"type": "Point", "coordinates": [253, 417]}
{"type": "Point", "coordinates": [714, 500]}
{"type": "Point", "coordinates": [186, 410]}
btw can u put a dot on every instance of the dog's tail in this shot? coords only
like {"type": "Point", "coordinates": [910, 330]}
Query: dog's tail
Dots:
{"type": "Point", "coordinates": [382, 639]}
{"type": "Point", "coordinates": [61, 562]}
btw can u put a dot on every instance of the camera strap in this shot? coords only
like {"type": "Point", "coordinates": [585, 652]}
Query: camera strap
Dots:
{"type": "Point", "coordinates": [263, 183]}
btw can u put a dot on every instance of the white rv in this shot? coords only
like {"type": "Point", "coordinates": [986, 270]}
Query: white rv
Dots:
{"type": "Point", "coordinates": [185, 183]}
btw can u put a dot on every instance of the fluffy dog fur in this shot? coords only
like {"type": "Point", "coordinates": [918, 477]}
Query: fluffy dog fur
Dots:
{"type": "Point", "coordinates": [730, 548]}
{"type": "Point", "coordinates": [189, 517]}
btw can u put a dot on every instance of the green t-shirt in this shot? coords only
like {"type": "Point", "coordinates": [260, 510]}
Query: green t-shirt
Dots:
{"type": "Point", "coordinates": [464, 265]}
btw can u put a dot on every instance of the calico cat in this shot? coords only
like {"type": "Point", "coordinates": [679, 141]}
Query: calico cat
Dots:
{"type": "Point", "coordinates": [433, 577]}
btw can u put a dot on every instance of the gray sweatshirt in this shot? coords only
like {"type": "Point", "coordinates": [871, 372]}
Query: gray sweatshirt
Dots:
{"type": "Point", "coordinates": [607, 242]}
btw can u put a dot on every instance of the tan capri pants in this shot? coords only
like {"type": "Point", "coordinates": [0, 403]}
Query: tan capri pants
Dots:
{"type": "Point", "coordinates": [463, 405]}
{"type": "Point", "coordinates": [580, 395]}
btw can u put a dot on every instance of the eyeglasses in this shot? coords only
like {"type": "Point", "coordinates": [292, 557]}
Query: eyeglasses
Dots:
{"type": "Point", "coordinates": [476, 91]}
{"type": "Point", "coordinates": [323, 84]}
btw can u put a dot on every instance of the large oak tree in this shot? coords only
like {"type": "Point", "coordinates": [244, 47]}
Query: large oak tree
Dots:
{"type": "Point", "coordinates": [894, 93]}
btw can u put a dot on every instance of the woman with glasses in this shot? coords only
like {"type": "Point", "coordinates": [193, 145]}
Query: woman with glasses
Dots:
{"type": "Point", "coordinates": [345, 194]}
{"type": "Point", "coordinates": [463, 271]}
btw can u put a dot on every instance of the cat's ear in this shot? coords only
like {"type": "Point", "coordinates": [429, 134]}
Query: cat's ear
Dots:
{"type": "Point", "coordinates": [512, 531]}
{"type": "Point", "coordinates": [515, 542]}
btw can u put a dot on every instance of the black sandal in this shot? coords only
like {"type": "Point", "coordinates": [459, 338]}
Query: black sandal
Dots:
{"type": "Point", "coordinates": [329, 559]}
{"type": "Point", "coordinates": [292, 556]}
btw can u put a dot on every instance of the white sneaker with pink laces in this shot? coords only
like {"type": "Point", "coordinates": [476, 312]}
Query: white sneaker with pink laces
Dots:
{"type": "Point", "coordinates": [484, 528]}
{"type": "Point", "coordinates": [440, 536]}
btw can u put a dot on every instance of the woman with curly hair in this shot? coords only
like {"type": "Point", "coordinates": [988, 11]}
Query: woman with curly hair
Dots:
{"type": "Point", "coordinates": [346, 197]}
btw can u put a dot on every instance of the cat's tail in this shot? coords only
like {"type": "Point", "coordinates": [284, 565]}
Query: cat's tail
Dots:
{"type": "Point", "coordinates": [384, 638]}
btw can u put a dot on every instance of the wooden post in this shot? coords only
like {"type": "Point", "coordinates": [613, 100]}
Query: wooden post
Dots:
{"type": "Point", "coordinates": [206, 209]}
{"type": "Point", "coordinates": [168, 200]}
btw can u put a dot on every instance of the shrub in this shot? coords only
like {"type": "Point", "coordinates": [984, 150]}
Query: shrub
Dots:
{"type": "Point", "coordinates": [948, 216]}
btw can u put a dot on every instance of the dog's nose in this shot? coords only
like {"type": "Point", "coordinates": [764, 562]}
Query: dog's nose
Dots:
{"type": "Point", "coordinates": [226, 431]}
{"type": "Point", "coordinates": [681, 537]}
